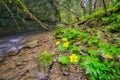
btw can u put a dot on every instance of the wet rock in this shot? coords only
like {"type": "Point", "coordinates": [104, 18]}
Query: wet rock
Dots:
{"type": "Point", "coordinates": [56, 73]}
{"type": "Point", "coordinates": [13, 53]}
{"type": "Point", "coordinates": [1, 58]}
{"type": "Point", "coordinates": [31, 44]}
{"type": "Point", "coordinates": [41, 75]}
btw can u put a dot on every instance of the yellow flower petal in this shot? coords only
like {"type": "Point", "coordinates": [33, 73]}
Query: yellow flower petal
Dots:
{"type": "Point", "coordinates": [64, 39]}
{"type": "Point", "coordinates": [66, 44]}
{"type": "Point", "coordinates": [108, 56]}
{"type": "Point", "coordinates": [57, 42]}
{"type": "Point", "coordinates": [73, 58]}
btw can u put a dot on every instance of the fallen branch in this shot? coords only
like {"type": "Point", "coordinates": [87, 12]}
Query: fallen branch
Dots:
{"type": "Point", "coordinates": [22, 6]}
{"type": "Point", "coordinates": [35, 19]}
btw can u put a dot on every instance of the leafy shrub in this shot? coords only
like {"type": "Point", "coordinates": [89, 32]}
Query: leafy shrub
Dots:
{"type": "Point", "coordinates": [99, 62]}
{"type": "Point", "coordinates": [94, 68]}
{"type": "Point", "coordinates": [63, 59]}
{"type": "Point", "coordinates": [45, 59]}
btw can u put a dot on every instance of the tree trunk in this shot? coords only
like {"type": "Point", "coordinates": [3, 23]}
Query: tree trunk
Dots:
{"type": "Point", "coordinates": [104, 5]}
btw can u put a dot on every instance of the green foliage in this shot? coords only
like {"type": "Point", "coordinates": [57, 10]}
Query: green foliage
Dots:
{"type": "Point", "coordinates": [116, 2]}
{"type": "Point", "coordinates": [111, 18]}
{"type": "Point", "coordinates": [113, 22]}
{"type": "Point", "coordinates": [73, 49]}
{"type": "Point", "coordinates": [71, 34]}
{"type": "Point", "coordinates": [113, 71]}
{"type": "Point", "coordinates": [93, 53]}
{"type": "Point", "coordinates": [82, 36]}
{"type": "Point", "coordinates": [60, 32]}
{"type": "Point", "coordinates": [107, 70]}
{"type": "Point", "coordinates": [117, 41]}
{"type": "Point", "coordinates": [45, 59]}
{"type": "Point", "coordinates": [94, 68]}
{"type": "Point", "coordinates": [63, 59]}
{"type": "Point", "coordinates": [93, 41]}
{"type": "Point", "coordinates": [93, 15]}
{"type": "Point", "coordinates": [61, 47]}
{"type": "Point", "coordinates": [109, 48]}
{"type": "Point", "coordinates": [99, 61]}
{"type": "Point", "coordinates": [96, 13]}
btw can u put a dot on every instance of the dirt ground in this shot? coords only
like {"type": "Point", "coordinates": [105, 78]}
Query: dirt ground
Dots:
{"type": "Point", "coordinates": [23, 65]}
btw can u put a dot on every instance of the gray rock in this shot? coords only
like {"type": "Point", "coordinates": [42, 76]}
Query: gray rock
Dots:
{"type": "Point", "coordinates": [1, 58]}
{"type": "Point", "coordinates": [77, 43]}
{"type": "Point", "coordinates": [41, 75]}
{"type": "Point", "coordinates": [31, 44]}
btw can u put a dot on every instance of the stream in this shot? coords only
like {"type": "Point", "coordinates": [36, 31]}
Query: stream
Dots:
{"type": "Point", "coordinates": [10, 44]}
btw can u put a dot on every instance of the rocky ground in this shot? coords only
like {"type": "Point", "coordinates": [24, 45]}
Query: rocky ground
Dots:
{"type": "Point", "coordinates": [23, 65]}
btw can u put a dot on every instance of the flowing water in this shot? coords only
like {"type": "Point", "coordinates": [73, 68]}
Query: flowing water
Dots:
{"type": "Point", "coordinates": [10, 44]}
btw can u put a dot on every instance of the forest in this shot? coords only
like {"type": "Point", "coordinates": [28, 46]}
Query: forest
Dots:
{"type": "Point", "coordinates": [59, 40]}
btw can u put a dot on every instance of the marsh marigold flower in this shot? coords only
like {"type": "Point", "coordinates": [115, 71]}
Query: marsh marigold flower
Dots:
{"type": "Point", "coordinates": [66, 44]}
{"type": "Point", "coordinates": [57, 42]}
{"type": "Point", "coordinates": [108, 56]}
{"type": "Point", "coordinates": [64, 39]}
{"type": "Point", "coordinates": [73, 58]}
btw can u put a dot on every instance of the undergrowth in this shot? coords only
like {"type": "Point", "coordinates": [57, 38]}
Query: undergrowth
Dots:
{"type": "Point", "coordinates": [112, 22]}
{"type": "Point", "coordinates": [100, 61]}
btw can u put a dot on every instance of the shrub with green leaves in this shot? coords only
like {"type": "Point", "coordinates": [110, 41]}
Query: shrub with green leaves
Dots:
{"type": "Point", "coordinates": [113, 22]}
{"type": "Point", "coordinates": [94, 68]}
{"type": "Point", "coordinates": [93, 41]}
{"type": "Point", "coordinates": [45, 59]}
{"type": "Point", "coordinates": [63, 59]}
{"type": "Point", "coordinates": [99, 61]}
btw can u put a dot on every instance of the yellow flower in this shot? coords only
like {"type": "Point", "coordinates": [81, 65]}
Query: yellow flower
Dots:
{"type": "Point", "coordinates": [73, 58]}
{"type": "Point", "coordinates": [57, 42]}
{"type": "Point", "coordinates": [108, 56]}
{"type": "Point", "coordinates": [66, 44]}
{"type": "Point", "coordinates": [64, 39]}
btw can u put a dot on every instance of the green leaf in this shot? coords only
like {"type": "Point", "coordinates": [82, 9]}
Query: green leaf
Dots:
{"type": "Point", "coordinates": [61, 48]}
{"type": "Point", "coordinates": [93, 52]}
{"type": "Point", "coordinates": [63, 59]}
{"type": "Point", "coordinates": [45, 58]}
{"type": "Point", "coordinates": [73, 49]}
